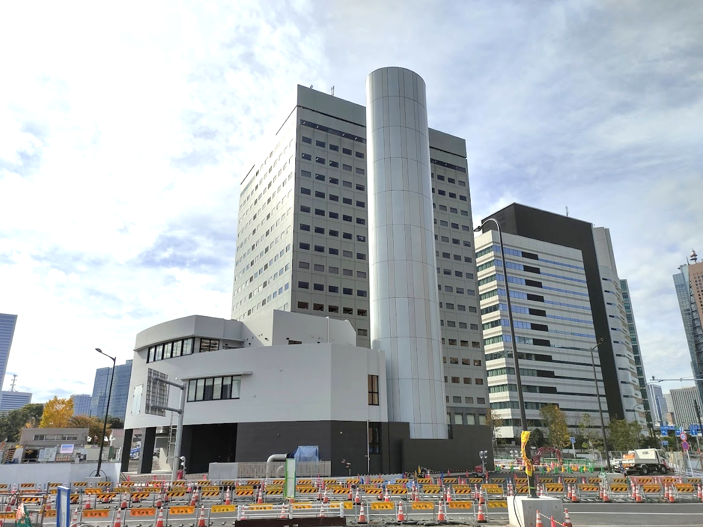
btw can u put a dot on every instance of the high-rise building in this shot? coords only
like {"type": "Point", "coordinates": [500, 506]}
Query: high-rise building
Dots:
{"type": "Point", "coordinates": [303, 236]}
{"type": "Point", "coordinates": [12, 400]}
{"type": "Point", "coordinates": [553, 328]}
{"type": "Point", "coordinates": [120, 391]}
{"type": "Point", "coordinates": [81, 404]}
{"type": "Point", "coordinates": [7, 332]}
{"type": "Point", "coordinates": [658, 405]}
{"type": "Point", "coordinates": [689, 292]}
{"type": "Point", "coordinates": [619, 331]}
{"type": "Point", "coordinates": [637, 353]}
{"type": "Point", "coordinates": [684, 401]}
{"type": "Point", "coordinates": [570, 232]}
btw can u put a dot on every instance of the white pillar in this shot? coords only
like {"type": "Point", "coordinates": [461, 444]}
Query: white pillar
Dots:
{"type": "Point", "coordinates": [402, 265]}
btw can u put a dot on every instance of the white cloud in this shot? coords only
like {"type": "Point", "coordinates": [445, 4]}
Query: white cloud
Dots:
{"type": "Point", "coordinates": [122, 134]}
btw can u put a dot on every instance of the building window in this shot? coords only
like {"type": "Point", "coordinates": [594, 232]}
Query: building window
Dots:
{"type": "Point", "coordinates": [303, 305]}
{"type": "Point", "coordinates": [318, 307]}
{"type": "Point", "coordinates": [362, 333]}
{"type": "Point", "coordinates": [303, 285]}
{"type": "Point", "coordinates": [209, 345]}
{"type": "Point", "coordinates": [479, 381]}
{"type": "Point", "coordinates": [373, 390]}
{"type": "Point", "coordinates": [214, 388]}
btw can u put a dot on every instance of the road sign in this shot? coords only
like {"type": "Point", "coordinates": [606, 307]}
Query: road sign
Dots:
{"type": "Point", "coordinates": [685, 446]}
{"type": "Point", "coordinates": [665, 443]}
{"type": "Point", "coordinates": [573, 440]}
{"type": "Point", "coordinates": [665, 433]}
{"type": "Point", "coordinates": [683, 436]}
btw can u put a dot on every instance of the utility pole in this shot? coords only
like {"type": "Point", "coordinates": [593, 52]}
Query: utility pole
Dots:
{"type": "Point", "coordinates": [700, 427]}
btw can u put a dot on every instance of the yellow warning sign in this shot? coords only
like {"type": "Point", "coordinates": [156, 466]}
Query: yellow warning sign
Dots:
{"type": "Point", "coordinates": [90, 492]}
{"type": "Point", "coordinates": [498, 504]}
{"type": "Point", "coordinates": [651, 489]}
{"type": "Point", "coordinates": [142, 512]}
{"type": "Point", "coordinates": [299, 506]}
{"type": "Point", "coordinates": [187, 509]}
{"type": "Point", "coordinates": [336, 504]}
{"type": "Point", "coordinates": [7, 515]}
{"type": "Point", "coordinates": [619, 488]}
{"type": "Point", "coordinates": [423, 506]}
{"type": "Point", "coordinates": [382, 506]}
{"type": "Point", "coordinates": [460, 504]}
{"type": "Point", "coordinates": [96, 513]}
{"type": "Point", "coordinates": [588, 488]}
{"type": "Point", "coordinates": [259, 507]}
{"type": "Point", "coordinates": [210, 489]}
{"type": "Point", "coordinates": [215, 509]}
{"type": "Point", "coordinates": [50, 514]}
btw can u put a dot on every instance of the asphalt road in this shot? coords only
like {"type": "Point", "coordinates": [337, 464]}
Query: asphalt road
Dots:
{"type": "Point", "coordinates": [626, 514]}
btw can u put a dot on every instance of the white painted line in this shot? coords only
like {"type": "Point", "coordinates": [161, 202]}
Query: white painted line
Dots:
{"type": "Point", "coordinates": [641, 512]}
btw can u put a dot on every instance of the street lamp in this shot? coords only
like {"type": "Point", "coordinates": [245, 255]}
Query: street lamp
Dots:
{"type": "Point", "coordinates": [600, 406]}
{"type": "Point", "coordinates": [483, 454]}
{"type": "Point", "coordinates": [516, 362]}
{"type": "Point", "coordinates": [107, 407]}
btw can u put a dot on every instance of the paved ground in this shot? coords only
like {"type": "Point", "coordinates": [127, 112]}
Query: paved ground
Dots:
{"type": "Point", "coordinates": [626, 514]}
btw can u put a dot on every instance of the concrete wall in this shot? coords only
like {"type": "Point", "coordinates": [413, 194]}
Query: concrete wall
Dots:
{"type": "Point", "coordinates": [55, 472]}
{"type": "Point", "coordinates": [459, 453]}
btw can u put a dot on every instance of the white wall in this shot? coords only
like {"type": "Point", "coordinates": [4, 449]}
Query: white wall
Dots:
{"type": "Point", "coordinates": [55, 472]}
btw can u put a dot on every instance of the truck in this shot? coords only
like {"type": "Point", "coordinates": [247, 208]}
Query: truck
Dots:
{"type": "Point", "coordinates": [645, 461]}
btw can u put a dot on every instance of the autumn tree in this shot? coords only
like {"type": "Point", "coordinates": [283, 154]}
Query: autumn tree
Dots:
{"type": "Point", "coordinates": [93, 424]}
{"type": "Point", "coordinates": [558, 430]}
{"type": "Point", "coordinates": [591, 439]}
{"type": "Point", "coordinates": [624, 436]}
{"type": "Point", "coordinates": [494, 421]}
{"type": "Point", "coordinates": [57, 413]}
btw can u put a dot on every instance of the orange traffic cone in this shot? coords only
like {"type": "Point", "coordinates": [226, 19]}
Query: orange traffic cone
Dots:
{"type": "Point", "coordinates": [86, 502]}
{"type": "Point", "coordinates": [386, 497]}
{"type": "Point", "coordinates": [228, 497]}
{"type": "Point", "coordinates": [118, 519]}
{"type": "Point", "coordinates": [552, 523]}
{"type": "Point", "coordinates": [449, 495]}
{"type": "Point", "coordinates": [357, 498]}
{"type": "Point", "coordinates": [284, 512]}
{"type": "Point", "coordinates": [567, 519]}
{"type": "Point", "coordinates": [481, 518]}
{"type": "Point", "coordinates": [160, 518]}
{"type": "Point", "coordinates": [350, 496]}
{"type": "Point", "coordinates": [201, 519]}
{"type": "Point", "coordinates": [672, 496]}
{"type": "Point", "coordinates": [159, 501]}
{"type": "Point", "coordinates": [322, 509]}
{"type": "Point", "coordinates": [638, 495]}
{"type": "Point", "coordinates": [400, 517]}
{"type": "Point", "coordinates": [260, 499]}
{"type": "Point", "coordinates": [666, 492]}
{"type": "Point", "coordinates": [123, 501]}
{"type": "Point", "coordinates": [606, 498]}
{"type": "Point", "coordinates": [74, 518]}
{"type": "Point", "coordinates": [441, 517]}
{"type": "Point", "coordinates": [568, 492]}
{"type": "Point", "coordinates": [538, 521]}
{"type": "Point", "coordinates": [700, 492]}
{"type": "Point", "coordinates": [325, 498]}
{"type": "Point", "coordinates": [574, 496]}
{"type": "Point", "coordinates": [362, 515]}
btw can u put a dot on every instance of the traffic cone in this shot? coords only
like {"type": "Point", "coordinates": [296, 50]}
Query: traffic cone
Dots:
{"type": "Point", "coordinates": [362, 515]}
{"type": "Point", "coordinates": [357, 498]}
{"type": "Point", "coordinates": [552, 523]}
{"type": "Point", "coordinates": [201, 519]}
{"type": "Point", "coordinates": [666, 492]}
{"type": "Point", "coordinates": [160, 518]}
{"type": "Point", "coordinates": [260, 499]}
{"type": "Point", "coordinates": [441, 518]}
{"type": "Point", "coordinates": [350, 497]}
{"type": "Point", "coordinates": [118, 519]}
{"type": "Point", "coordinates": [74, 518]}
{"type": "Point", "coordinates": [606, 498]}
{"type": "Point", "coordinates": [449, 495]}
{"type": "Point", "coordinates": [416, 494]}
{"type": "Point", "coordinates": [567, 519]}
{"type": "Point", "coordinates": [638, 495]}
{"type": "Point", "coordinates": [568, 492]}
{"type": "Point", "coordinates": [574, 496]}
{"type": "Point", "coordinates": [123, 502]}
{"type": "Point", "coordinates": [672, 496]}
{"type": "Point", "coordinates": [538, 521]}
{"type": "Point", "coordinates": [325, 499]}
{"type": "Point", "coordinates": [86, 502]}
{"type": "Point", "coordinates": [322, 510]}
{"type": "Point", "coordinates": [228, 497]}
{"type": "Point", "coordinates": [400, 517]}
{"type": "Point", "coordinates": [284, 511]}
{"type": "Point", "coordinates": [159, 502]}
{"type": "Point", "coordinates": [700, 492]}
{"type": "Point", "coordinates": [481, 518]}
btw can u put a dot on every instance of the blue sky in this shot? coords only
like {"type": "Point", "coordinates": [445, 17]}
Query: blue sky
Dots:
{"type": "Point", "coordinates": [123, 129]}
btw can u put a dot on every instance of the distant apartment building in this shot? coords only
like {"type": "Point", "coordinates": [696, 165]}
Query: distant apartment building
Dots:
{"type": "Point", "coordinates": [7, 332]}
{"type": "Point", "coordinates": [11, 400]}
{"type": "Point", "coordinates": [689, 292]}
{"type": "Point", "coordinates": [684, 402]}
{"type": "Point", "coordinates": [658, 405]}
{"type": "Point", "coordinates": [553, 327]}
{"type": "Point", "coordinates": [120, 391]}
{"type": "Point", "coordinates": [637, 353]}
{"type": "Point", "coordinates": [81, 404]}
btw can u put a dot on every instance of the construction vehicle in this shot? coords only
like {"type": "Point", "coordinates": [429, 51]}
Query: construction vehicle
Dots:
{"type": "Point", "coordinates": [645, 461]}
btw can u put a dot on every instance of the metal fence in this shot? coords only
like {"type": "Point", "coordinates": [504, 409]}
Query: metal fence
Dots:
{"type": "Point", "coordinates": [277, 469]}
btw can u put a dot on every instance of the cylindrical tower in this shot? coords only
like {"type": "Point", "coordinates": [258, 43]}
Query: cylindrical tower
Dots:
{"type": "Point", "coordinates": [402, 264]}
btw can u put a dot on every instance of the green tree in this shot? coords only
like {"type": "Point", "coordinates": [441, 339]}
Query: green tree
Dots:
{"type": "Point", "coordinates": [555, 420]}
{"type": "Point", "coordinates": [590, 439]}
{"type": "Point", "coordinates": [624, 436]}
{"type": "Point", "coordinates": [13, 422]}
{"type": "Point", "coordinates": [93, 424]}
{"type": "Point", "coordinates": [116, 423]}
{"type": "Point", "coordinates": [57, 413]}
{"type": "Point", "coordinates": [537, 438]}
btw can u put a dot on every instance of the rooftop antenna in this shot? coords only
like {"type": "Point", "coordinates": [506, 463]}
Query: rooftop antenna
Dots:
{"type": "Point", "coordinates": [311, 86]}
{"type": "Point", "coordinates": [13, 383]}
{"type": "Point", "coordinates": [694, 256]}
{"type": "Point", "coordinates": [332, 91]}
{"type": "Point", "coordinates": [567, 211]}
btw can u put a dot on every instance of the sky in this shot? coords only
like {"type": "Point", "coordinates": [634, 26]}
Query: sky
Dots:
{"type": "Point", "coordinates": [124, 126]}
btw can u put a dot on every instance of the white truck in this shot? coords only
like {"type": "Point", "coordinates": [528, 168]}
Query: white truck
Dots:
{"type": "Point", "coordinates": [645, 461]}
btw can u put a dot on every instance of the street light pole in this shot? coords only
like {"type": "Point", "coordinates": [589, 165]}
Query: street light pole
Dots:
{"type": "Point", "coordinates": [107, 408]}
{"type": "Point", "coordinates": [516, 362]}
{"type": "Point", "coordinates": [600, 406]}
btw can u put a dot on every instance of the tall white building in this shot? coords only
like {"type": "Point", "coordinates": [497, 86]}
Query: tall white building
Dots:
{"type": "Point", "coordinates": [619, 331]}
{"type": "Point", "coordinates": [683, 405]}
{"type": "Point", "coordinates": [689, 292]}
{"type": "Point", "coordinates": [303, 238]}
{"type": "Point", "coordinates": [553, 328]}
